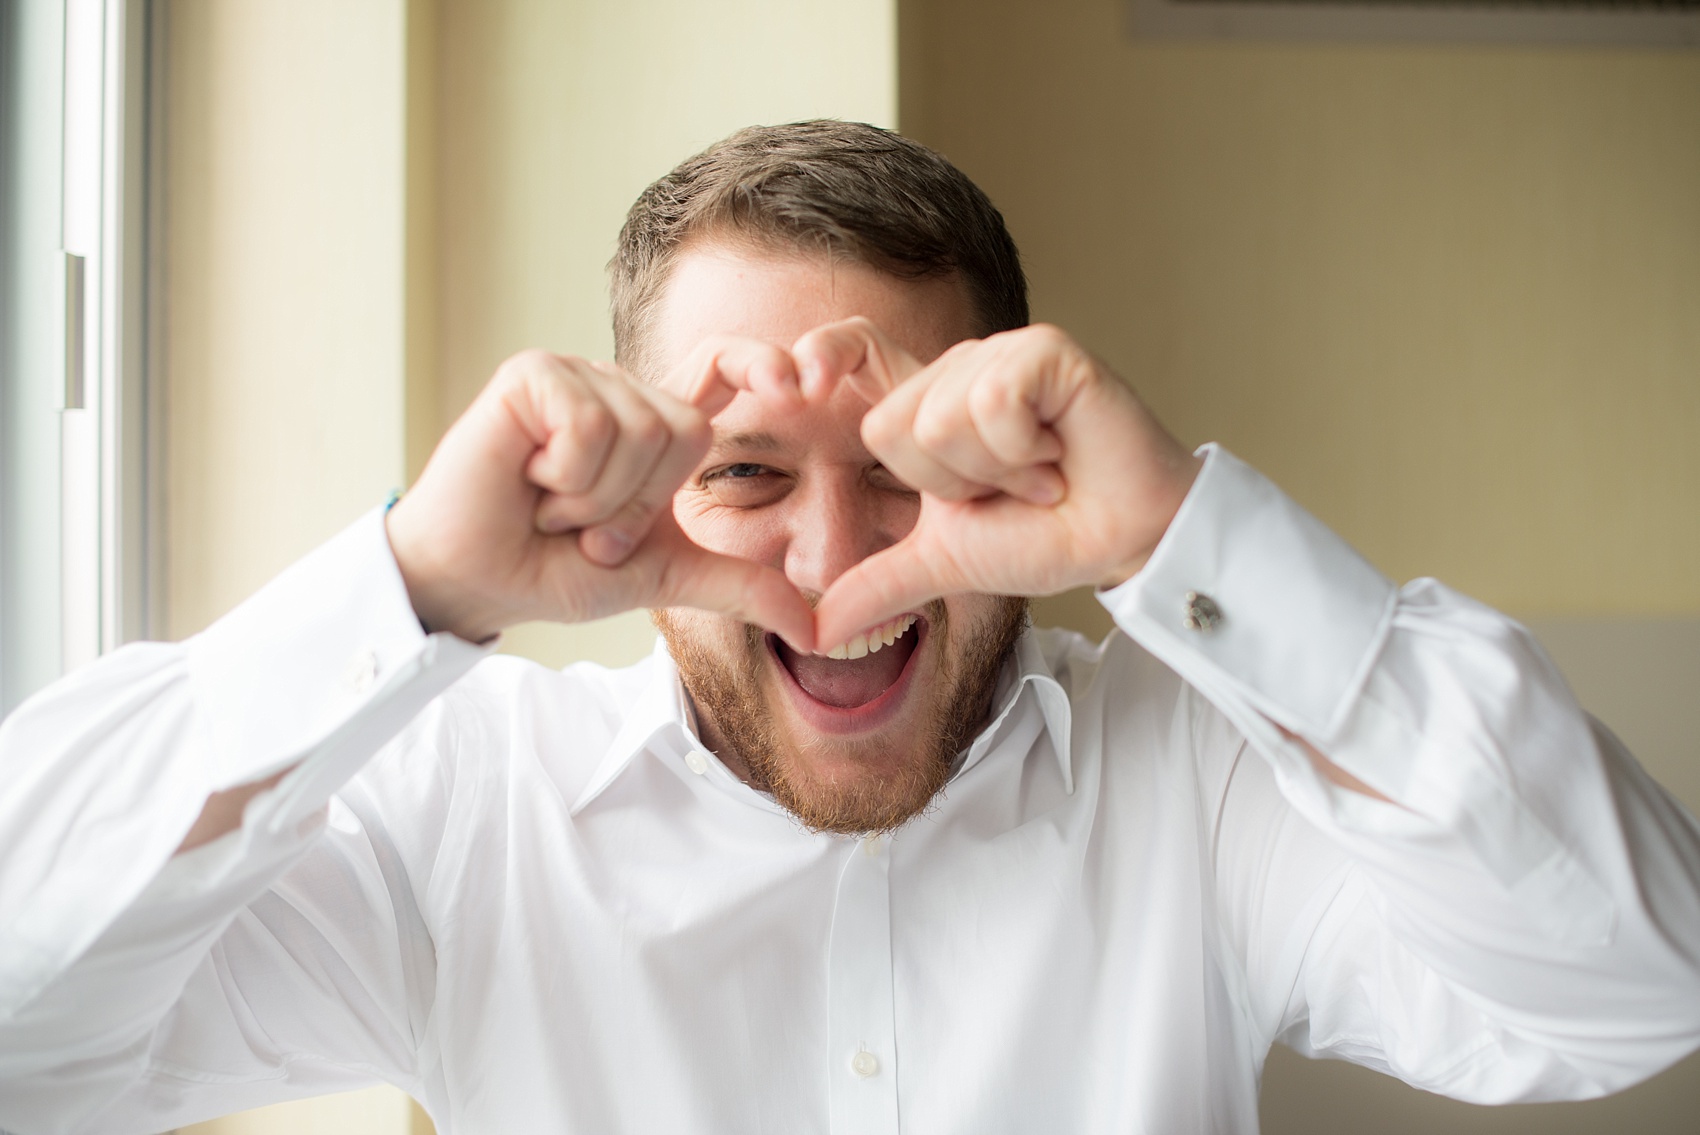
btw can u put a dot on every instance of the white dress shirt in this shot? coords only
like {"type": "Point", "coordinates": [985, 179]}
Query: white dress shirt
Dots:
{"type": "Point", "coordinates": [533, 900]}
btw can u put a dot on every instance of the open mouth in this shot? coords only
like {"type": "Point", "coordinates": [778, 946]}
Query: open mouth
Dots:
{"type": "Point", "coordinates": [862, 671]}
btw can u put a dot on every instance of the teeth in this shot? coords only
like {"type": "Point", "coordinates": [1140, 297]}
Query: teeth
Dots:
{"type": "Point", "coordinates": [880, 637]}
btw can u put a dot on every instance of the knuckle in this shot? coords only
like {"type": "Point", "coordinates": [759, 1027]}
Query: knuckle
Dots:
{"type": "Point", "coordinates": [990, 399]}
{"type": "Point", "coordinates": [590, 425]}
{"type": "Point", "coordinates": [933, 430]}
{"type": "Point", "coordinates": [941, 417]}
{"type": "Point", "coordinates": [531, 363]}
{"type": "Point", "coordinates": [532, 358]}
{"type": "Point", "coordinates": [881, 431]}
{"type": "Point", "coordinates": [647, 429]}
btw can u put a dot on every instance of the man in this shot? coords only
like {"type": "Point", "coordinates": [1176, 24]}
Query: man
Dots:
{"type": "Point", "coordinates": [857, 851]}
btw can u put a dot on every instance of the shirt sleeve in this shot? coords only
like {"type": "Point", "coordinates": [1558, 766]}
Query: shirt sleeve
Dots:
{"type": "Point", "coordinates": [102, 931]}
{"type": "Point", "coordinates": [1520, 919]}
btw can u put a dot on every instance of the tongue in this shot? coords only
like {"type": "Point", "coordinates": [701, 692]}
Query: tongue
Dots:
{"type": "Point", "coordinates": [848, 682]}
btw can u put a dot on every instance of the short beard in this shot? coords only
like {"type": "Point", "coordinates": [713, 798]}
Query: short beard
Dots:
{"type": "Point", "coordinates": [727, 693]}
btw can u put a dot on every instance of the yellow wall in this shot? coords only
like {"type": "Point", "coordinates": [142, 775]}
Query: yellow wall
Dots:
{"type": "Point", "coordinates": [1449, 297]}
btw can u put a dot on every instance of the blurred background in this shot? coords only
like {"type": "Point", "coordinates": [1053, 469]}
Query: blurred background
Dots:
{"type": "Point", "coordinates": [1441, 282]}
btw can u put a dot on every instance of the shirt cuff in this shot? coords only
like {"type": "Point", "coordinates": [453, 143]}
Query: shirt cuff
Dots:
{"type": "Point", "coordinates": [1251, 588]}
{"type": "Point", "coordinates": [328, 661]}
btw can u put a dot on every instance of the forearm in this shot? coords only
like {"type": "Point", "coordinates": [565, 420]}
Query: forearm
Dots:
{"type": "Point", "coordinates": [1514, 850]}
{"type": "Point", "coordinates": [243, 733]}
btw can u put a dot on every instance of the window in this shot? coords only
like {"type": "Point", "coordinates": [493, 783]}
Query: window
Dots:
{"type": "Point", "coordinates": [74, 417]}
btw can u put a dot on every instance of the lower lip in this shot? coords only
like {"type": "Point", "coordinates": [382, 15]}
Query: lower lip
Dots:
{"type": "Point", "coordinates": [857, 719]}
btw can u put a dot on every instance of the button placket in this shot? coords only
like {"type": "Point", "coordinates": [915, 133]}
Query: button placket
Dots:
{"type": "Point", "coordinates": [861, 1026]}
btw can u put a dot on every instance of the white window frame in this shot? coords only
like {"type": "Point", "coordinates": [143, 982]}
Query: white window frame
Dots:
{"type": "Point", "coordinates": [77, 561]}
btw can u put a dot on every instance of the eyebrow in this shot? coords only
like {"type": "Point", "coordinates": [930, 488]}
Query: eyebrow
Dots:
{"type": "Point", "coordinates": [758, 440]}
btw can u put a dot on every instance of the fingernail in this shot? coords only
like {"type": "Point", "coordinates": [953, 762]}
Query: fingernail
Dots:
{"type": "Point", "coordinates": [1047, 488]}
{"type": "Point", "coordinates": [606, 546]}
{"type": "Point", "coordinates": [811, 377]}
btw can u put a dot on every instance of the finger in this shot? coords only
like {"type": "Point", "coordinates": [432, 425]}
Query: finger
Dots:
{"type": "Point", "coordinates": [641, 436]}
{"type": "Point", "coordinates": [721, 366]}
{"type": "Point", "coordinates": [611, 541]}
{"type": "Point", "coordinates": [888, 430]}
{"type": "Point", "coordinates": [854, 350]}
{"type": "Point", "coordinates": [951, 430]}
{"type": "Point", "coordinates": [558, 406]}
{"type": "Point", "coordinates": [1006, 419]}
{"type": "Point", "coordinates": [898, 579]}
{"type": "Point", "coordinates": [690, 576]}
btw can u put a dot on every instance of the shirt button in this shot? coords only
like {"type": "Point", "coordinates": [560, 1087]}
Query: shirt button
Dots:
{"type": "Point", "coordinates": [865, 1064]}
{"type": "Point", "coordinates": [361, 671]}
{"type": "Point", "coordinates": [696, 762]}
{"type": "Point", "coordinates": [1200, 612]}
{"type": "Point", "coordinates": [871, 846]}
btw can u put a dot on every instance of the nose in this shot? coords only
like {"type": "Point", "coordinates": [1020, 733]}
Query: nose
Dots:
{"type": "Point", "coordinates": [836, 522]}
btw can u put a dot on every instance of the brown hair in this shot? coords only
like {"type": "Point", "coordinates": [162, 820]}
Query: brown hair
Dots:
{"type": "Point", "coordinates": [844, 188]}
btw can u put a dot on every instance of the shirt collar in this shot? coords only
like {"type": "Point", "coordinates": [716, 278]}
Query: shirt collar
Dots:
{"type": "Point", "coordinates": [1028, 669]}
{"type": "Point", "coordinates": [661, 718]}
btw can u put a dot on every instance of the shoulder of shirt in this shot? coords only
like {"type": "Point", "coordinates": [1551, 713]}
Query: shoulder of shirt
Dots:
{"type": "Point", "coordinates": [1125, 686]}
{"type": "Point", "coordinates": [509, 715]}
{"type": "Point", "coordinates": [1083, 667]}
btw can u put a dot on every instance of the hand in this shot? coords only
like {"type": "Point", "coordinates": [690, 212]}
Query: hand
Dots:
{"type": "Point", "coordinates": [551, 498]}
{"type": "Point", "coordinates": [1038, 469]}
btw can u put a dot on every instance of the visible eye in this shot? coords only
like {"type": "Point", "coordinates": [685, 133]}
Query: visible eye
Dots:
{"type": "Point", "coordinates": [745, 484]}
{"type": "Point", "coordinates": [886, 481]}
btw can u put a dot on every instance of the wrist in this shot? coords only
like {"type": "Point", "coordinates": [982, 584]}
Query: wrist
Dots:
{"type": "Point", "coordinates": [438, 603]}
{"type": "Point", "coordinates": [1161, 504]}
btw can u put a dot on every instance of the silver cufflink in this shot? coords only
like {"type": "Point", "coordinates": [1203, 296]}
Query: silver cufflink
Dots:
{"type": "Point", "coordinates": [1201, 612]}
{"type": "Point", "coordinates": [361, 671]}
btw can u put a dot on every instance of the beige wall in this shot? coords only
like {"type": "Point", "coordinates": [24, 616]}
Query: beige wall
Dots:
{"type": "Point", "coordinates": [283, 367]}
{"type": "Point", "coordinates": [284, 321]}
{"type": "Point", "coordinates": [1448, 297]}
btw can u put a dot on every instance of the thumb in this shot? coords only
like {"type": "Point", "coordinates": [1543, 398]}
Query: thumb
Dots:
{"type": "Point", "coordinates": [888, 583]}
{"type": "Point", "coordinates": [686, 575]}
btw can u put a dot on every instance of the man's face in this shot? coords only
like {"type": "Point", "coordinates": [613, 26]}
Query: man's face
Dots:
{"type": "Point", "coordinates": [852, 745]}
